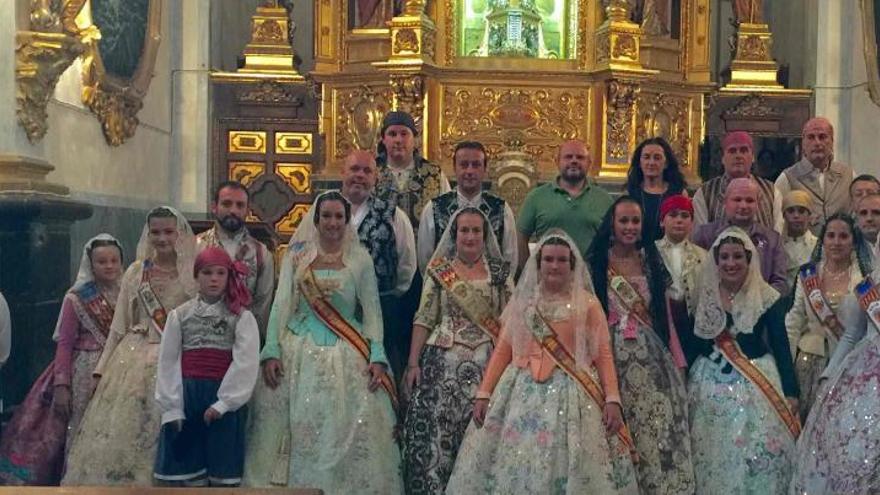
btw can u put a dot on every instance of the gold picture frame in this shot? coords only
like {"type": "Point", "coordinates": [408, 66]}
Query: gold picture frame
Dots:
{"type": "Point", "coordinates": [115, 100]}
{"type": "Point", "coordinates": [870, 30]}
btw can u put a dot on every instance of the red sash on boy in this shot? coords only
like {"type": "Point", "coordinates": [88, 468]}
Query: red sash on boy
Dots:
{"type": "Point", "coordinates": [97, 309]}
{"type": "Point", "coordinates": [631, 300]}
{"type": "Point", "coordinates": [151, 302]}
{"type": "Point", "coordinates": [341, 327]}
{"type": "Point", "coordinates": [731, 351]}
{"type": "Point", "coordinates": [475, 306]}
{"type": "Point", "coordinates": [821, 308]}
{"type": "Point", "coordinates": [549, 341]}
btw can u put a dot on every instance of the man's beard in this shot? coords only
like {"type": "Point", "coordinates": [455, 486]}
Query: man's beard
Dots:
{"type": "Point", "coordinates": [573, 176]}
{"type": "Point", "coordinates": [231, 223]}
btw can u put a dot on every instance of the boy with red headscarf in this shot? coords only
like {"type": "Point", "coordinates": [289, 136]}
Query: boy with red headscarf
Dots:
{"type": "Point", "coordinates": [208, 366]}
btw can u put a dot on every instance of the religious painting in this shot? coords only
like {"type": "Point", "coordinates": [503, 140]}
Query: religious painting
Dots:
{"type": "Point", "coordinates": [120, 61]}
{"type": "Point", "coordinates": [871, 23]}
{"type": "Point", "coordinates": [517, 28]}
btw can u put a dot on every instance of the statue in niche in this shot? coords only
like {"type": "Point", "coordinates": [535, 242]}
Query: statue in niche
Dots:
{"type": "Point", "coordinates": [748, 11]}
{"type": "Point", "coordinates": [653, 17]}
{"type": "Point", "coordinates": [375, 13]}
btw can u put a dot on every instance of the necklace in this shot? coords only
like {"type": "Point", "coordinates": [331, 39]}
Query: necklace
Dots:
{"type": "Point", "coordinates": [469, 264]}
{"type": "Point", "coordinates": [835, 276]}
{"type": "Point", "coordinates": [729, 295]}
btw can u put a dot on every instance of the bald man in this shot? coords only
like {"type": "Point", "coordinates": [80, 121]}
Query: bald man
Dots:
{"type": "Point", "coordinates": [826, 181]}
{"type": "Point", "coordinates": [572, 202]}
{"type": "Point", "coordinates": [740, 209]}
{"type": "Point", "coordinates": [385, 231]}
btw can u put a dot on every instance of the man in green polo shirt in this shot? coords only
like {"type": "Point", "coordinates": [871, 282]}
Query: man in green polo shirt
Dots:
{"type": "Point", "coordinates": [572, 202]}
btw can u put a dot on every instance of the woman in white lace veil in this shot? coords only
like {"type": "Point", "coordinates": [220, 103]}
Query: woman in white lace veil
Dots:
{"type": "Point", "coordinates": [466, 286]}
{"type": "Point", "coordinates": [116, 442]}
{"type": "Point", "coordinates": [542, 430]}
{"type": "Point", "coordinates": [324, 401]}
{"type": "Point", "coordinates": [737, 417]}
{"type": "Point", "coordinates": [32, 447]}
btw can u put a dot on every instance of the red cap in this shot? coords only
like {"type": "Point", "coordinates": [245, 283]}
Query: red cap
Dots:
{"type": "Point", "coordinates": [237, 294]}
{"type": "Point", "coordinates": [677, 202]}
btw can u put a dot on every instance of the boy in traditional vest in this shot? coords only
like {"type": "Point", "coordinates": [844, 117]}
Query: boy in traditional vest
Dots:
{"type": "Point", "coordinates": [797, 240]}
{"type": "Point", "coordinates": [208, 366]}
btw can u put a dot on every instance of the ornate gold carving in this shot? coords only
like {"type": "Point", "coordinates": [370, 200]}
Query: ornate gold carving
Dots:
{"type": "Point", "coordinates": [406, 41]}
{"type": "Point", "coordinates": [625, 47]}
{"type": "Point", "coordinates": [752, 106]}
{"type": "Point", "coordinates": [291, 221]}
{"type": "Point", "coordinates": [409, 95]}
{"type": "Point", "coordinates": [270, 50]}
{"type": "Point", "coordinates": [297, 175]}
{"type": "Point", "coordinates": [620, 112]}
{"type": "Point", "coordinates": [41, 56]}
{"type": "Point", "coordinates": [114, 100]}
{"type": "Point", "coordinates": [268, 31]}
{"type": "Point", "coordinates": [293, 143]}
{"type": "Point", "coordinates": [359, 114]}
{"type": "Point", "coordinates": [246, 172]}
{"type": "Point", "coordinates": [247, 142]}
{"type": "Point", "coordinates": [667, 116]}
{"type": "Point", "coordinates": [544, 117]}
{"type": "Point", "coordinates": [269, 92]}
{"type": "Point", "coordinates": [752, 48]}
{"type": "Point", "coordinates": [869, 33]}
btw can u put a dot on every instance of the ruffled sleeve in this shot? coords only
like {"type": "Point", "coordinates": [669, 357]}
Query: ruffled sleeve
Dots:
{"type": "Point", "coordinates": [368, 295]}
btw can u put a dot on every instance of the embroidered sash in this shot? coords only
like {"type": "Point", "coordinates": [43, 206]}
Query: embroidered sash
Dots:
{"type": "Point", "coordinates": [821, 307]}
{"type": "Point", "coordinates": [631, 300]}
{"type": "Point", "coordinates": [341, 327]}
{"type": "Point", "coordinates": [477, 308]}
{"type": "Point", "coordinates": [869, 299]}
{"type": "Point", "coordinates": [731, 351]}
{"type": "Point", "coordinates": [549, 341]}
{"type": "Point", "coordinates": [97, 309]}
{"type": "Point", "coordinates": [152, 304]}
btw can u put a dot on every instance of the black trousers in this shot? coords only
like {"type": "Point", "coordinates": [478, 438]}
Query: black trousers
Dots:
{"type": "Point", "coordinates": [397, 316]}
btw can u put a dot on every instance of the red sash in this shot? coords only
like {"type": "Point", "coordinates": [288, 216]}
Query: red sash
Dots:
{"type": "Point", "coordinates": [341, 327]}
{"type": "Point", "coordinates": [821, 308]}
{"type": "Point", "coordinates": [475, 306]}
{"type": "Point", "coordinates": [152, 304]}
{"type": "Point", "coordinates": [550, 342]}
{"type": "Point", "coordinates": [729, 348]}
{"type": "Point", "coordinates": [98, 309]}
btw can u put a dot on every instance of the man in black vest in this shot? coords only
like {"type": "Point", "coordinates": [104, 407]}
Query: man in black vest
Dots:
{"type": "Point", "coordinates": [385, 231]}
{"type": "Point", "coordinates": [470, 163]}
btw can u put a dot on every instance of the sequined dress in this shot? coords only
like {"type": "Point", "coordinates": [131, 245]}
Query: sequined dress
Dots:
{"type": "Point", "coordinates": [654, 400]}
{"type": "Point", "coordinates": [452, 364]}
{"type": "Point", "coordinates": [322, 427]}
{"type": "Point", "coordinates": [116, 442]}
{"type": "Point", "coordinates": [542, 432]}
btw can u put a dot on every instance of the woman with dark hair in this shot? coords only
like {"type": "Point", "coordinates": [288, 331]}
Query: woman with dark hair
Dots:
{"type": "Point", "coordinates": [324, 413]}
{"type": "Point", "coordinates": [467, 284]}
{"type": "Point", "coordinates": [812, 323]}
{"type": "Point", "coordinates": [654, 175]}
{"type": "Point", "coordinates": [116, 442]}
{"type": "Point", "coordinates": [742, 393]}
{"type": "Point", "coordinates": [631, 284]}
{"type": "Point", "coordinates": [33, 444]}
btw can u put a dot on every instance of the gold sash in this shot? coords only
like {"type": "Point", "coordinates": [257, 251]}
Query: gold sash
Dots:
{"type": "Point", "coordinates": [821, 307]}
{"type": "Point", "coordinates": [341, 327]}
{"type": "Point", "coordinates": [629, 297]}
{"type": "Point", "coordinates": [152, 304]}
{"type": "Point", "coordinates": [475, 307]}
{"type": "Point", "coordinates": [549, 341]}
{"type": "Point", "coordinates": [729, 348]}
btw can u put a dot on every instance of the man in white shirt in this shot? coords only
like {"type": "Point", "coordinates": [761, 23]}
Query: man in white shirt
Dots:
{"type": "Point", "coordinates": [826, 181]}
{"type": "Point", "coordinates": [470, 165]}
{"type": "Point", "coordinates": [797, 240]}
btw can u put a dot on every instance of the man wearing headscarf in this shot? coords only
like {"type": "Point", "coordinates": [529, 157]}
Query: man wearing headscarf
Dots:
{"type": "Point", "coordinates": [230, 208]}
{"type": "Point", "coordinates": [470, 163]}
{"type": "Point", "coordinates": [738, 154]}
{"type": "Point", "coordinates": [405, 178]}
{"type": "Point", "coordinates": [817, 174]}
{"type": "Point", "coordinates": [741, 210]}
